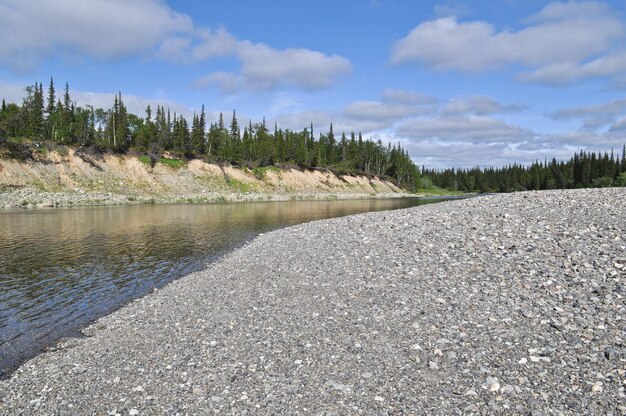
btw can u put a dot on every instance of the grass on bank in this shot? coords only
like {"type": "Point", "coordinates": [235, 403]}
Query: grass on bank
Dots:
{"type": "Point", "coordinates": [261, 172]}
{"type": "Point", "coordinates": [172, 163]}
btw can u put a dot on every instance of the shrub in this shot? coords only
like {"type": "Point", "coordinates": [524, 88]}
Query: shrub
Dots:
{"type": "Point", "coordinates": [603, 182]}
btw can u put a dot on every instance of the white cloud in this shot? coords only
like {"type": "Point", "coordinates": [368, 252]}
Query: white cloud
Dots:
{"type": "Point", "coordinates": [589, 140]}
{"type": "Point", "coordinates": [392, 95]}
{"type": "Point", "coordinates": [365, 116]}
{"type": "Point", "coordinates": [214, 43]}
{"type": "Point", "coordinates": [226, 82]}
{"type": "Point", "coordinates": [565, 73]}
{"type": "Point", "coordinates": [438, 155]}
{"type": "Point", "coordinates": [472, 129]}
{"type": "Point", "coordinates": [33, 29]}
{"type": "Point", "coordinates": [265, 68]}
{"type": "Point", "coordinates": [559, 40]}
{"type": "Point", "coordinates": [461, 132]}
{"type": "Point", "coordinates": [594, 116]}
{"type": "Point", "coordinates": [619, 126]}
{"type": "Point", "coordinates": [378, 111]}
{"type": "Point", "coordinates": [479, 105]}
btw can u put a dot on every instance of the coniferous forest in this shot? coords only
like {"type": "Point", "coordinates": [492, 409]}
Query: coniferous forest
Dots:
{"type": "Point", "coordinates": [583, 170]}
{"type": "Point", "coordinates": [51, 117]}
{"type": "Point", "coordinates": [54, 118]}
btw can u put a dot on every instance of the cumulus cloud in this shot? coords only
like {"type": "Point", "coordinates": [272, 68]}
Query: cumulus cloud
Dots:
{"type": "Point", "coordinates": [619, 126]}
{"type": "Point", "coordinates": [213, 43]}
{"type": "Point", "coordinates": [398, 96]}
{"type": "Point", "coordinates": [33, 29]}
{"type": "Point", "coordinates": [441, 155]}
{"type": "Point", "coordinates": [266, 68]}
{"type": "Point", "coordinates": [382, 111]}
{"type": "Point", "coordinates": [365, 116]}
{"type": "Point", "coordinates": [610, 108]}
{"type": "Point", "coordinates": [479, 105]}
{"type": "Point", "coordinates": [594, 116]}
{"type": "Point", "coordinates": [589, 140]}
{"type": "Point", "coordinates": [472, 129]}
{"type": "Point", "coordinates": [560, 39]}
{"type": "Point", "coordinates": [564, 73]}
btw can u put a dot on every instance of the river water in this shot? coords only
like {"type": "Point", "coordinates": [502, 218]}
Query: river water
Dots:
{"type": "Point", "coordinates": [62, 268]}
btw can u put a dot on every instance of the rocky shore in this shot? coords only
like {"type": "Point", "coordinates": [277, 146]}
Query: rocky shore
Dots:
{"type": "Point", "coordinates": [32, 198]}
{"type": "Point", "coordinates": [505, 304]}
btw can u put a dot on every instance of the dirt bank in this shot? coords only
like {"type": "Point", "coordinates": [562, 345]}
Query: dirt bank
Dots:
{"type": "Point", "coordinates": [76, 177]}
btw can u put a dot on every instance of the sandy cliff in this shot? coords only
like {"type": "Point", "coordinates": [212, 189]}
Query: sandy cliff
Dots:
{"type": "Point", "coordinates": [81, 178]}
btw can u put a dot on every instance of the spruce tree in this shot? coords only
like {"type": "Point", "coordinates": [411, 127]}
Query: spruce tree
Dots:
{"type": "Point", "coordinates": [51, 98]}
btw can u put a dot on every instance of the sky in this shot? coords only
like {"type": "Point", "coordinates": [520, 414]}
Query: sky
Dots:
{"type": "Point", "coordinates": [456, 83]}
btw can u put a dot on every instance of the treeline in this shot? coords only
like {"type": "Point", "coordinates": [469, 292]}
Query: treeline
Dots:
{"type": "Point", "coordinates": [58, 119]}
{"type": "Point", "coordinates": [584, 170]}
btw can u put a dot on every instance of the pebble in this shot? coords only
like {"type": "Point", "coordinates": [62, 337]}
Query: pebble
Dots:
{"type": "Point", "coordinates": [300, 296]}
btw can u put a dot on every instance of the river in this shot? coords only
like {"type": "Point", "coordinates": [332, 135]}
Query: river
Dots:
{"type": "Point", "coordinates": [62, 268]}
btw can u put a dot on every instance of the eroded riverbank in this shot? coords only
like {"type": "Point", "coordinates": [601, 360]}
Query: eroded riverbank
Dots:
{"type": "Point", "coordinates": [504, 304]}
{"type": "Point", "coordinates": [76, 177]}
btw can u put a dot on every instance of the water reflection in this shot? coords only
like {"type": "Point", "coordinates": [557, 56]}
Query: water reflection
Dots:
{"type": "Point", "coordinates": [60, 269]}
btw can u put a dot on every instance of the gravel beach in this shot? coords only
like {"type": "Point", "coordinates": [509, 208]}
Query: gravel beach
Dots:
{"type": "Point", "coordinates": [504, 304]}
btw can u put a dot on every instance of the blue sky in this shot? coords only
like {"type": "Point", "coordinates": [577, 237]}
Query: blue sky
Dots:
{"type": "Point", "coordinates": [457, 83]}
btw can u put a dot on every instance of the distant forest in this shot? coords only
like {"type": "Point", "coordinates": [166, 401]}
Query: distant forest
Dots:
{"type": "Point", "coordinates": [584, 170]}
{"type": "Point", "coordinates": [48, 118]}
{"type": "Point", "coordinates": [58, 120]}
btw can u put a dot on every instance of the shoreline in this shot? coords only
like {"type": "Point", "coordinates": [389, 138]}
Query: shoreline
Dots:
{"type": "Point", "coordinates": [467, 300]}
{"type": "Point", "coordinates": [31, 198]}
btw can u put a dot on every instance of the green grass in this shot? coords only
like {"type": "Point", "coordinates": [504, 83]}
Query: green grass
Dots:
{"type": "Point", "coordinates": [261, 172]}
{"type": "Point", "coordinates": [145, 159]}
{"type": "Point", "coordinates": [172, 163]}
{"type": "Point", "coordinates": [439, 192]}
{"type": "Point", "coordinates": [239, 186]}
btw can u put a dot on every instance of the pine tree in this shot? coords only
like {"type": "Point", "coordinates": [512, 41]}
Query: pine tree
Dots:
{"type": "Point", "coordinates": [197, 133]}
{"type": "Point", "coordinates": [234, 129]}
{"type": "Point", "coordinates": [51, 98]}
{"type": "Point", "coordinates": [330, 149]}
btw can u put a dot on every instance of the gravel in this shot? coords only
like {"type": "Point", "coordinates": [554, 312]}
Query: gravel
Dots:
{"type": "Point", "coordinates": [505, 304]}
{"type": "Point", "coordinates": [32, 198]}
